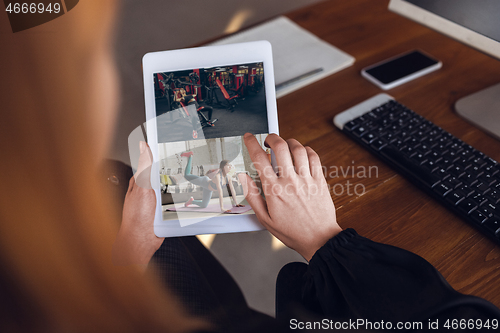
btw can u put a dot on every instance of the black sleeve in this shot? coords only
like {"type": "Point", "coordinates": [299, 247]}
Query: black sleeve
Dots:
{"type": "Point", "coordinates": [352, 277]}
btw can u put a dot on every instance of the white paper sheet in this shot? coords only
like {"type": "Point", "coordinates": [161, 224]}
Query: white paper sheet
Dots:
{"type": "Point", "coordinates": [296, 52]}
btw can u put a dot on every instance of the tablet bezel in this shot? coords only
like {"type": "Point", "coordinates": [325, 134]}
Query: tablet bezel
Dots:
{"type": "Point", "coordinates": [204, 57]}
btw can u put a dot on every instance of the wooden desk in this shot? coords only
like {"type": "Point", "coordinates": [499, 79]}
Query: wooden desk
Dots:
{"type": "Point", "coordinates": [391, 209]}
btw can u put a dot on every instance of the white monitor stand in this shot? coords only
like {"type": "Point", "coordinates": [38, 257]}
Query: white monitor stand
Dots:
{"type": "Point", "coordinates": [482, 109]}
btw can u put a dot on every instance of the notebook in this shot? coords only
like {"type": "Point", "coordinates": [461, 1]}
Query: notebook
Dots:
{"type": "Point", "coordinates": [300, 57]}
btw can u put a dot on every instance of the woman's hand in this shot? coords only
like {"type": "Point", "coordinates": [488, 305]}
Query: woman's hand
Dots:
{"type": "Point", "coordinates": [136, 242]}
{"type": "Point", "coordinates": [298, 209]}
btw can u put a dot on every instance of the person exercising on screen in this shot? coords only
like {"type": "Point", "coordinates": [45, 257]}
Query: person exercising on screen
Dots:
{"type": "Point", "coordinates": [188, 99]}
{"type": "Point", "coordinates": [214, 181]}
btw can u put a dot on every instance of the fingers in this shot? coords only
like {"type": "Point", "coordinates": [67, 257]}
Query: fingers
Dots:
{"type": "Point", "coordinates": [131, 184]}
{"type": "Point", "coordinates": [282, 152]}
{"type": "Point", "coordinates": [314, 163]}
{"type": "Point", "coordinates": [145, 158]}
{"type": "Point", "coordinates": [143, 174]}
{"type": "Point", "coordinates": [305, 160]}
{"type": "Point", "coordinates": [300, 157]}
{"type": "Point", "coordinates": [259, 158]}
{"type": "Point", "coordinates": [256, 201]}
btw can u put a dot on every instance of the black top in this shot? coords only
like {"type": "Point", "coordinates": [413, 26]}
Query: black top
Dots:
{"type": "Point", "coordinates": [350, 278]}
{"type": "Point", "coordinates": [188, 99]}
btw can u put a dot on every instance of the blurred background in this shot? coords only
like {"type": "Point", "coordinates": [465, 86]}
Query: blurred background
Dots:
{"type": "Point", "coordinates": [254, 259]}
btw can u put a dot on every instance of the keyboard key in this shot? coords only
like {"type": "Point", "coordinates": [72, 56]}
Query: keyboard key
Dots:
{"type": "Point", "coordinates": [465, 189]}
{"type": "Point", "coordinates": [434, 134]}
{"type": "Point", "coordinates": [433, 155]}
{"type": "Point", "coordinates": [370, 124]}
{"type": "Point", "coordinates": [425, 125]}
{"type": "Point", "coordinates": [442, 173]}
{"type": "Point", "coordinates": [468, 178]}
{"type": "Point", "coordinates": [411, 128]}
{"type": "Point", "coordinates": [351, 125]}
{"type": "Point", "coordinates": [456, 145]}
{"type": "Point", "coordinates": [384, 122]}
{"type": "Point", "coordinates": [419, 157]}
{"type": "Point", "coordinates": [441, 148]}
{"type": "Point", "coordinates": [379, 144]}
{"type": "Point", "coordinates": [493, 207]}
{"type": "Point", "coordinates": [420, 135]}
{"type": "Point", "coordinates": [456, 171]}
{"type": "Point", "coordinates": [372, 115]}
{"type": "Point", "coordinates": [464, 163]}
{"type": "Point", "coordinates": [430, 166]}
{"type": "Point", "coordinates": [442, 189]}
{"type": "Point", "coordinates": [402, 123]}
{"type": "Point", "coordinates": [466, 154]}
{"type": "Point", "coordinates": [380, 131]}
{"type": "Point", "coordinates": [360, 131]}
{"type": "Point", "coordinates": [492, 225]}
{"type": "Point", "coordinates": [408, 151]}
{"type": "Point", "coordinates": [391, 115]}
{"type": "Point", "coordinates": [491, 169]}
{"type": "Point", "coordinates": [478, 160]}
{"type": "Point", "coordinates": [455, 197]}
{"type": "Point", "coordinates": [452, 155]}
{"type": "Point", "coordinates": [446, 163]}
{"type": "Point", "coordinates": [474, 168]}
{"type": "Point", "coordinates": [454, 182]}
{"type": "Point", "coordinates": [395, 128]}
{"type": "Point", "coordinates": [493, 196]}
{"type": "Point", "coordinates": [491, 161]}
{"type": "Point", "coordinates": [369, 137]}
{"type": "Point", "coordinates": [378, 111]}
{"type": "Point", "coordinates": [466, 206]}
{"type": "Point", "coordinates": [389, 137]}
{"type": "Point", "coordinates": [444, 141]}
{"type": "Point", "coordinates": [414, 142]}
{"type": "Point", "coordinates": [487, 178]}
{"type": "Point", "coordinates": [477, 216]}
{"type": "Point", "coordinates": [399, 144]}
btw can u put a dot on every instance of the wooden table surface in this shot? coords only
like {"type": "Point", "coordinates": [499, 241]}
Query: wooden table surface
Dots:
{"type": "Point", "coordinates": [386, 207]}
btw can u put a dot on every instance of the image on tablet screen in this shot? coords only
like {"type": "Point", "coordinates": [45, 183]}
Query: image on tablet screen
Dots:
{"type": "Point", "coordinates": [201, 117]}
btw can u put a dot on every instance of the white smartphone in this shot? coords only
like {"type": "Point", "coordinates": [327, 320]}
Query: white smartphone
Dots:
{"type": "Point", "coordinates": [405, 67]}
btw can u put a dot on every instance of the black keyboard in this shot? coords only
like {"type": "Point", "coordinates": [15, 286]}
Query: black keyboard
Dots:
{"type": "Point", "coordinates": [462, 178]}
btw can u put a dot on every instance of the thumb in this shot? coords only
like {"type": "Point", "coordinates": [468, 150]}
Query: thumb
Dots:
{"type": "Point", "coordinates": [143, 174]}
{"type": "Point", "coordinates": [252, 194]}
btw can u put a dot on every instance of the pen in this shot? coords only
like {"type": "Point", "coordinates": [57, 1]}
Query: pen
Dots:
{"type": "Point", "coordinates": [298, 78]}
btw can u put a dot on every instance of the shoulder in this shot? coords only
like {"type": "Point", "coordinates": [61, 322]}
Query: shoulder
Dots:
{"type": "Point", "coordinates": [212, 172]}
{"type": "Point", "coordinates": [215, 175]}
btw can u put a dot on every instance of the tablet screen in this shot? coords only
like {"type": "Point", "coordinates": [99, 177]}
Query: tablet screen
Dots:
{"type": "Point", "coordinates": [201, 117]}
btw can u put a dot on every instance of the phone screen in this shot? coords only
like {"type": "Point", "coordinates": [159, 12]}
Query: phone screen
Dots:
{"type": "Point", "coordinates": [401, 67]}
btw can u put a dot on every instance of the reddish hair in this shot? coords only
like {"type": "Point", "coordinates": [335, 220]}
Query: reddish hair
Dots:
{"type": "Point", "coordinates": [58, 224]}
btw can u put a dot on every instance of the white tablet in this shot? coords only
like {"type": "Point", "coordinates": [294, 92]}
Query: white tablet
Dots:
{"type": "Point", "coordinates": [199, 104]}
